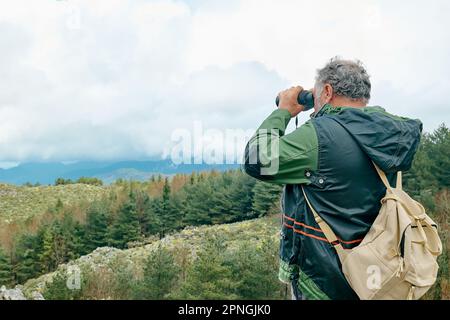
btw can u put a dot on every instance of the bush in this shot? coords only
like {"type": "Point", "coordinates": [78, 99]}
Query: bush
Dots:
{"type": "Point", "coordinates": [58, 289]}
{"type": "Point", "coordinates": [160, 275]}
{"type": "Point", "coordinates": [91, 181]}
{"type": "Point", "coordinates": [441, 290]}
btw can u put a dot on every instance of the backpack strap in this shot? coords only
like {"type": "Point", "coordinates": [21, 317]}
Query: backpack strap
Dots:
{"type": "Point", "coordinates": [329, 234]}
{"type": "Point", "coordinates": [382, 176]}
{"type": "Point", "coordinates": [399, 184]}
{"type": "Point", "coordinates": [386, 181]}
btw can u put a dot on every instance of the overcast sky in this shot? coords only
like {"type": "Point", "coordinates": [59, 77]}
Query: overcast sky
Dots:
{"type": "Point", "coordinates": [112, 79]}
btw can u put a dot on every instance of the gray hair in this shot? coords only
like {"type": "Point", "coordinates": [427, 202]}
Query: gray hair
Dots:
{"type": "Point", "coordinates": [347, 78]}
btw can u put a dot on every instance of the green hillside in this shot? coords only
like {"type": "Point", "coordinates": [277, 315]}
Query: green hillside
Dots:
{"type": "Point", "coordinates": [107, 269]}
{"type": "Point", "coordinates": [19, 203]}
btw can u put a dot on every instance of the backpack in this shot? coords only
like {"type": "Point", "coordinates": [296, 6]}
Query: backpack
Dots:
{"type": "Point", "coordinates": [397, 257]}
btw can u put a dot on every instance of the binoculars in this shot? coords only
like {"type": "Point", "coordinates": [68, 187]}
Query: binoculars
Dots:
{"type": "Point", "coordinates": [305, 98]}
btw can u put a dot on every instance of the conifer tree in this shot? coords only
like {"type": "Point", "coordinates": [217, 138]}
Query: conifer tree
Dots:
{"type": "Point", "coordinates": [253, 268]}
{"type": "Point", "coordinates": [6, 275]}
{"type": "Point", "coordinates": [166, 210]}
{"type": "Point", "coordinates": [96, 229]}
{"type": "Point", "coordinates": [198, 203]}
{"type": "Point", "coordinates": [209, 277]}
{"type": "Point", "coordinates": [242, 195]}
{"type": "Point", "coordinates": [144, 212]}
{"type": "Point", "coordinates": [265, 197]}
{"type": "Point", "coordinates": [46, 256]}
{"type": "Point", "coordinates": [440, 156]}
{"type": "Point", "coordinates": [71, 237]}
{"type": "Point", "coordinates": [160, 275]}
{"type": "Point", "coordinates": [168, 206]}
{"type": "Point", "coordinates": [26, 258]}
{"type": "Point", "coordinates": [126, 226]}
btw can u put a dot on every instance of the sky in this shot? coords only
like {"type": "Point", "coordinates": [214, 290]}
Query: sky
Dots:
{"type": "Point", "coordinates": [113, 79]}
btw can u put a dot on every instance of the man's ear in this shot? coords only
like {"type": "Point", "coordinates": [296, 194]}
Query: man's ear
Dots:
{"type": "Point", "coordinates": [327, 93]}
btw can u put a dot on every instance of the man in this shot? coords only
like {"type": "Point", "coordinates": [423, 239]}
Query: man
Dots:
{"type": "Point", "coordinates": [331, 157]}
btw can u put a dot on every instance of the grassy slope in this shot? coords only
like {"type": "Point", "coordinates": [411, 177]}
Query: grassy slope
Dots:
{"type": "Point", "coordinates": [19, 203]}
{"type": "Point", "coordinates": [110, 260]}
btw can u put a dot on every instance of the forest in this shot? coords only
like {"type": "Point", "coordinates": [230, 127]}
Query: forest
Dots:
{"type": "Point", "coordinates": [133, 213]}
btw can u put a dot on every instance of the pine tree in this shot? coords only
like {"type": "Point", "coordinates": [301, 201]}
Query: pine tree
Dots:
{"type": "Point", "coordinates": [440, 156]}
{"type": "Point", "coordinates": [160, 275]}
{"type": "Point", "coordinates": [242, 195]}
{"type": "Point", "coordinates": [419, 178]}
{"type": "Point", "coordinates": [253, 268]}
{"type": "Point", "coordinates": [198, 198]}
{"type": "Point", "coordinates": [145, 213]}
{"type": "Point", "coordinates": [156, 212]}
{"type": "Point", "coordinates": [71, 235]}
{"type": "Point", "coordinates": [239, 194]}
{"type": "Point", "coordinates": [126, 226]}
{"type": "Point", "coordinates": [79, 240]}
{"type": "Point", "coordinates": [265, 197]}
{"type": "Point", "coordinates": [167, 211]}
{"type": "Point", "coordinates": [166, 191]}
{"type": "Point", "coordinates": [168, 206]}
{"type": "Point", "coordinates": [209, 277]}
{"type": "Point", "coordinates": [96, 229]}
{"type": "Point", "coordinates": [6, 275]}
{"type": "Point", "coordinates": [245, 263]}
{"type": "Point", "coordinates": [46, 256]}
{"type": "Point", "coordinates": [54, 246]}
{"type": "Point", "coordinates": [26, 258]}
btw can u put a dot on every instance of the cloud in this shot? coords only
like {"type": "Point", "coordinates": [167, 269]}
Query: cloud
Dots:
{"type": "Point", "coordinates": [112, 79]}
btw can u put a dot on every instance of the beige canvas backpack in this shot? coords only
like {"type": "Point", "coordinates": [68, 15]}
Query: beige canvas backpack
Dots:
{"type": "Point", "coordinates": [397, 257]}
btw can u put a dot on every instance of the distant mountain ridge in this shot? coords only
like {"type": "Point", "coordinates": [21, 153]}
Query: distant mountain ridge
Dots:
{"type": "Point", "coordinates": [48, 172]}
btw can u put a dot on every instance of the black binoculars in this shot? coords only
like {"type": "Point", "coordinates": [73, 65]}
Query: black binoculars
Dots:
{"type": "Point", "coordinates": [305, 98]}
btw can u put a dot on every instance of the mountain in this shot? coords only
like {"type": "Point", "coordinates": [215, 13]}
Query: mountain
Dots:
{"type": "Point", "coordinates": [47, 173]}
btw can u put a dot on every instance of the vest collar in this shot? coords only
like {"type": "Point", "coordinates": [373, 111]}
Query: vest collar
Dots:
{"type": "Point", "coordinates": [329, 109]}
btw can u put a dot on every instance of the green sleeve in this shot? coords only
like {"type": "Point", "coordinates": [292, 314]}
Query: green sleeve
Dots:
{"type": "Point", "coordinates": [283, 159]}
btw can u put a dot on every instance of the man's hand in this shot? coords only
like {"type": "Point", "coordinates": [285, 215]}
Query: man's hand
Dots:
{"type": "Point", "coordinates": [288, 100]}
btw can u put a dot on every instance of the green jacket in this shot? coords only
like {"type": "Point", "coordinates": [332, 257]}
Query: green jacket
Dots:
{"type": "Point", "coordinates": [331, 156]}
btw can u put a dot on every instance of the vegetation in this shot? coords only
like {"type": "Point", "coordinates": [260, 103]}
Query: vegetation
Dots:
{"type": "Point", "coordinates": [182, 265]}
{"type": "Point", "coordinates": [20, 203]}
{"type": "Point", "coordinates": [129, 214]}
{"type": "Point", "coordinates": [160, 275]}
{"type": "Point", "coordinates": [5, 269]}
{"type": "Point", "coordinates": [154, 244]}
{"type": "Point", "coordinates": [428, 181]}
{"type": "Point", "coordinates": [84, 180]}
